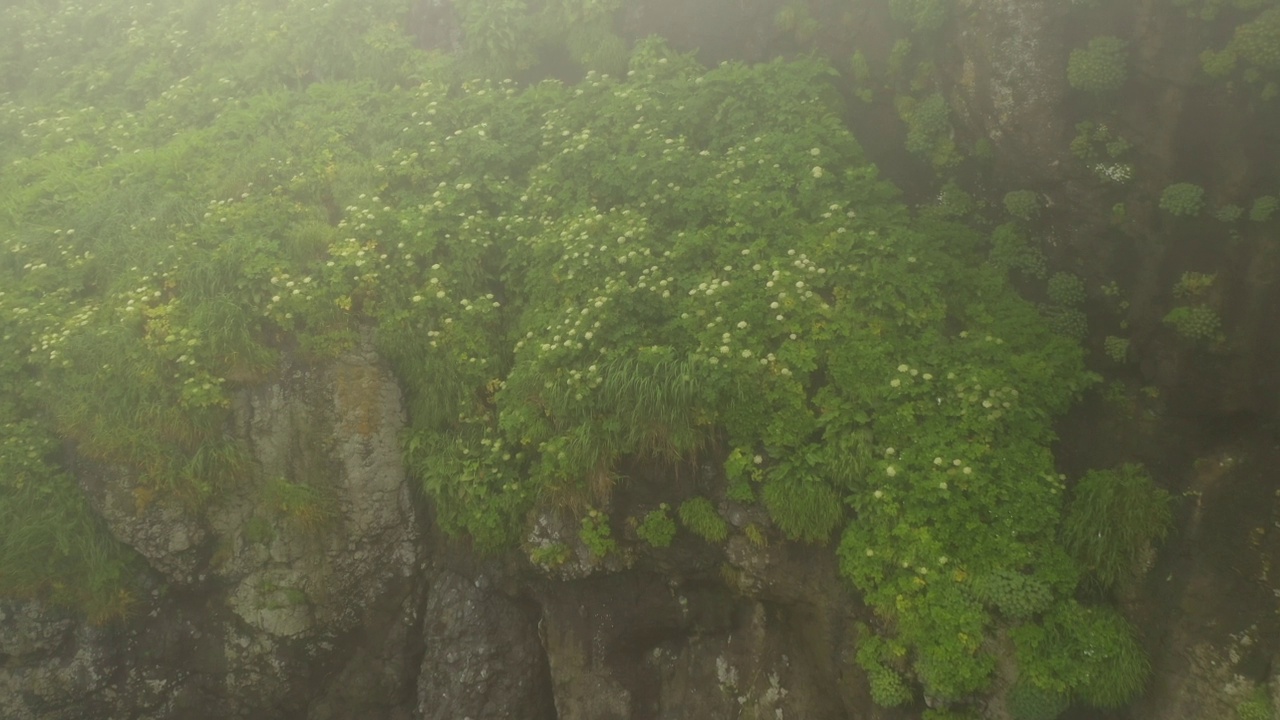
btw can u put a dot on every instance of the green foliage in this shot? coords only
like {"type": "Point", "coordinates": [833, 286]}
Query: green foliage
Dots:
{"type": "Point", "coordinates": [1209, 10]}
{"type": "Point", "coordinates": [1228, 213]}
{"type": "Point", "coordinates": [1011, 250]}
{"type": "Point", "coordinates": [1194, 285]}
{"type": "Point", "coordinates": [888, 689]}
{"type": "Point", "coordinates": [1066, 289]}
{"type": "Point", "coordinates": [1014, 594]}
{"type": "Point", "coordinates": [1255, 48]}
{"type": "Point", "coordinates": [1103, 151]}
{"type": "Point", "coordinates": [1066, 294]}
{"type": "Point", "coordinates": [700, 516]}
{"type": "Point", "coordinates": [876, 656]}
{"type": "Point", "coordinates": [1263, 208]}
{"type": "Point", "coordinates": [1100, 67]}
{"type": "Point", "coordinates": [1198, 323]}
{"type": "Point", "coordinates": [949, 714]}
{"type": "Point", "coordinates": [796, 19]}
{"type": "Point", "coordinates": [1067, 321]}
{"type": "Point", "coordinates": [1113, 518]}
{"type": "Point", "coordinates": [568, 281]}
{"type": "Point", "coordinates": [1086, 653]}
{"type": "Point", "coordinates": [503, 38]}
{"type": "Point", "coordinates": [1257, 706]}
{"type": "Point", "coordinates": [595, 533]}
{"type": "Point", "coordinates": [922, 16]}
{"type": "Point", "coordinates": [1028, 701]}
{"type": "Point", "coordinates": [657, 528]}
{"type": "Point", "coordinates": [1182, 200]}
{"type": "Point", "coordinates": [860, 71]}
{"type": "Point", "coordinates": [551, 555]}
{"type": "Point", "coordinates": [803, 505]}
{"type": "Point", "coordinates": [1116, 348]}
{"type": "Point", "coordinates": [929, 132]}
{"type": "Point", "coordinates": [52, 545]}
{"type": "Point", "coordinates": [1022, 204]}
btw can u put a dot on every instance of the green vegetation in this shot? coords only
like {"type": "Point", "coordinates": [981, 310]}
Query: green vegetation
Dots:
{"type": "Point", "coordinates": [1113, 519]}
{"type": "Point", "coordinates": [1198, 323]}
{"type": "Point", "coordinates": [1209, 10]}
{"type": "Point", "coordinates": [1063, 311]}
{"type": "Point", "coordinates": [1116, 348]}
{"type": "Point", "coordinates": [657, 528]}
{"type": "Point", "coordinates": [1066, 289]}
{"type": "Point", "coordinates": [1102, 150]}
{"type": "Point", "coordinates": [1011, 250]}
{"type": "Point", "coordinates": [1228, 213]}
{"type": "Point", "coordinates": [700, 516]}
{"type": "Point", "coordinates": [595, 533]}
{"type": "Point", "coordinates": [1194, 285]}
{"type": "Point", "coordinates": [929, 132]}
{"type": "Point", "coordinates": [668, 267]}
{"type": "Point", "coordinates": [921, 16]}
{"type": "Point", "coordinates": [1100, 67]}
{"type": "Point", "coordinates": [1084, 653]}
{"type": "Point", "coordinates": [1022, 204]}
{"type": "Point", "coordinates": [1263, 208]}
{"type": "Point", "coordinates": [1028, 701]}
{"type": "Point", "coordinates": [1015, 595]}
{"type": "Point", "coordinates": [1257, 706]}
{"type": "Point", "coordinates": [876, 657]}
{"type": "Point", "coordinates": [1254, 49]}
{"type": "Point", "coordinates": [1182, 200]}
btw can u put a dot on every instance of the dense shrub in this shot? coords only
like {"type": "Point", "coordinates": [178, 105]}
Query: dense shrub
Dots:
{"type": "Point", "coordinates": [1100, 67]}
{"type": "Point", "coordinates": [1182, 200]}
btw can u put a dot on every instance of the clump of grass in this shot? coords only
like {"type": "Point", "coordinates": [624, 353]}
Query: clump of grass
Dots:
{"type": "Point", "coordinates": [700, 516]}
{"type": "Point", "coordinates": [1113, 517]}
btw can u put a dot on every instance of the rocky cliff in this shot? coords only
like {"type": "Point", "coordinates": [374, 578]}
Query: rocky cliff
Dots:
{"type": "Point", "coordinates": [343, 599]}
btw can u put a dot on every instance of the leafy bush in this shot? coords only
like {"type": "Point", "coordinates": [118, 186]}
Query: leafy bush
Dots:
{"type": "Point", "coordinates": [929, 129]}
{"type": "Point", "coordinates": [1263, 208]}
{"type": "Point", "coordinates": [1113, 517]}
{"type": "Point", "coordinates": [1182, 200]}
{"type": "Point", "coordinates": [1089, 653]}
{"type": "Point", "coordinates": [874, 655]}
{"type": "Point", "coordinates": [923, 16]}
{"type": "Point", "coordinates": [1194, 285]}
{"type": "Point", "coordinates": [888, 689]}
{"type": "Point", "coordinates": [1066, 289]}
{"type": "Point", "coordinates": [1028, 701]}
{"type": "Point", "coordinates": [657, 528]}
{"type": "Point", "coordinates": [1257, 43]}
{"type": "Point", "coordinates": [1100, 67]}
{"type": "Point", "coordinates": [595, 533]}
{"type": "Point", "coordinates": [1116, 348]}
{"type": "Point", "coordinates": [1014, 594]}
{"type": "Point", "coordinates": [1022, 204]}
{"type": "Point", "coordinates": [1198, 323]}
{"type": "Point", "coordinates": [1228, 213]}
{"type": "Point", "coordinates": [700, 516]}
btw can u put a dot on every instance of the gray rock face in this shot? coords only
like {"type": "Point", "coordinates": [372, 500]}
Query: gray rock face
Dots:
{"type": "Point", "coordinates": [49, 668]}
{"type": "Point", "coordinates": [340, 525]}
{"type": "Point", "coordinates": [285, 579]}
{"type": "Point", "coordinates": [483, 657]}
